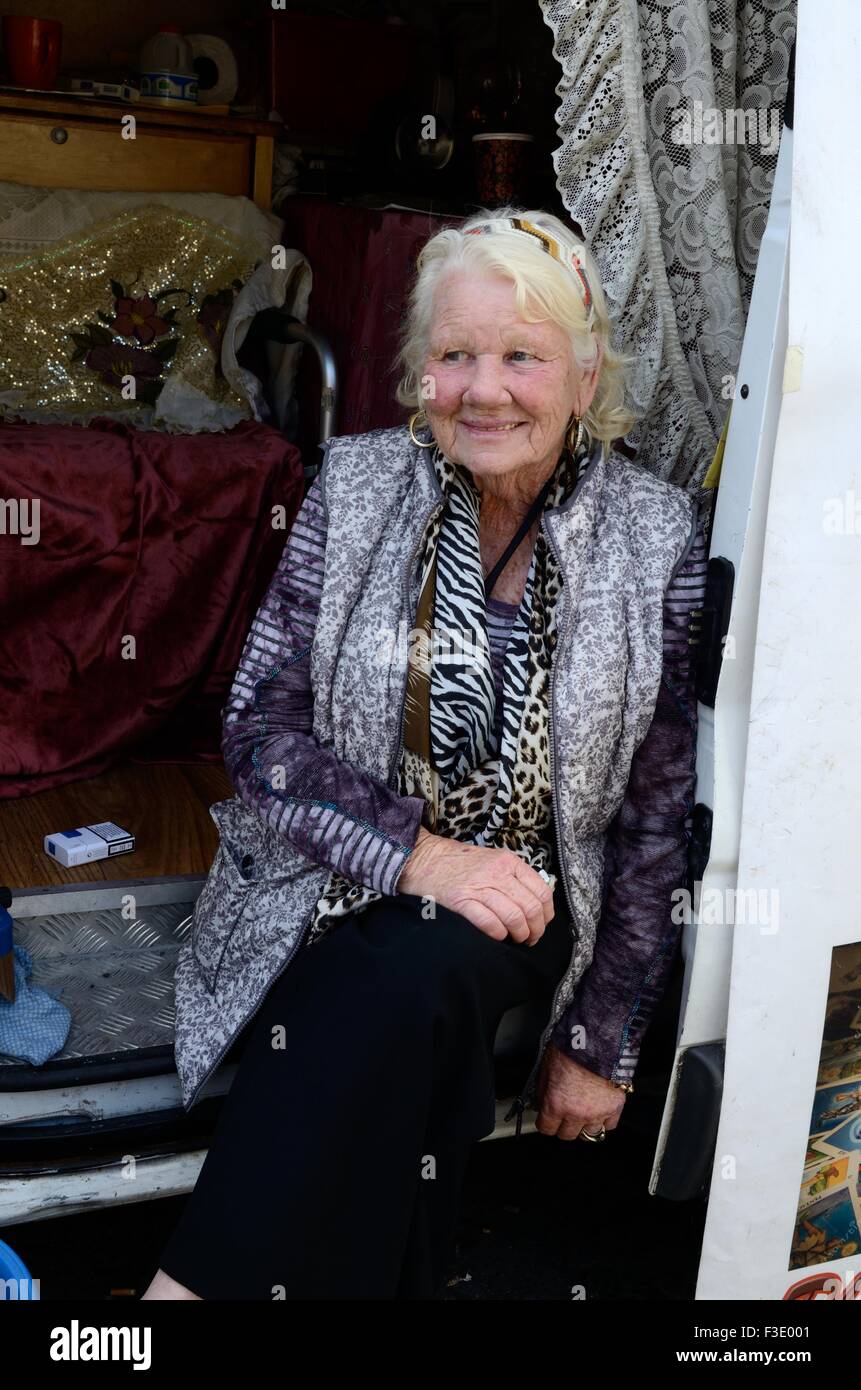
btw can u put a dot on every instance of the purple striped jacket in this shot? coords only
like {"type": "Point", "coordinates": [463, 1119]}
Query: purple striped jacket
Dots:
{"type": "Point", "coordinates": [349, 821]}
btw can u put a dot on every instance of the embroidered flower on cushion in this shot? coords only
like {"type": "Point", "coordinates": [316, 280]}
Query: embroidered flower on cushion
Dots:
{"type": "Point", "coordinates": [116, 361]}
{"type": "Point", "coordinates": [138, 318]}
{"type": "Point", "coordinates": [119, 363]}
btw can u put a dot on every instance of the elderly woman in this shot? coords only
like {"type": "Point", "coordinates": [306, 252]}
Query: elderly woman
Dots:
{"type": "Point", "coordinates": [462, 739]}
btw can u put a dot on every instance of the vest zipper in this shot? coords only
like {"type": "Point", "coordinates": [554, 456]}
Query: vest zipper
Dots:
{"type": "Point", "coordinates": [520, 1102]}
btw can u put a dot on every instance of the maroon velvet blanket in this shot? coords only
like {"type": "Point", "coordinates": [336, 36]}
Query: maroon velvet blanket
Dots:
{"type": "Point", "coordinates": [121, 629]}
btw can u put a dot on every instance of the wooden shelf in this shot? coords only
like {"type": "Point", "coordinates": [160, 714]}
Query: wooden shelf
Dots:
{"type": "Point", "coordinates": [58, 104]}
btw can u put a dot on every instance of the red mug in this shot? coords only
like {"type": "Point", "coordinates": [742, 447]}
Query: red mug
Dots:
{"type": "Point", "coordinates": [32, 49]}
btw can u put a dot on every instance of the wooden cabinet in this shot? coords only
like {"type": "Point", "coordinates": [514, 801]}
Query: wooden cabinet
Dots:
{"type": "Point", "coordinates": [62, 143]}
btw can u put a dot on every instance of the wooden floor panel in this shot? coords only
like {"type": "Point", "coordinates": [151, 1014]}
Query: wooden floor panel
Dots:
{"type": "Point", "coordinates": [166, 806]}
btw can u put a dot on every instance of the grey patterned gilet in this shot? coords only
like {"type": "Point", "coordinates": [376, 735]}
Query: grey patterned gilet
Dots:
{"type": "Point", "coordinates": [617, 540]}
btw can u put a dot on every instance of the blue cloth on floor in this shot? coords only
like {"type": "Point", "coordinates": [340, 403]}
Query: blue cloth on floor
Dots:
{"type": "Point", "coordinates": [36, 1025]}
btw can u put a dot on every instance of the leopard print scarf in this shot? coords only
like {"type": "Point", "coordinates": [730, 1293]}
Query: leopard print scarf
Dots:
{"type": "Point", "coordinates": [475, 789]}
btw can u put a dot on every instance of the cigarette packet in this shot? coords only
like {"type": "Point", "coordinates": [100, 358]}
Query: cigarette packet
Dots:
{"type": "Point", "coordinates": [88, 842]}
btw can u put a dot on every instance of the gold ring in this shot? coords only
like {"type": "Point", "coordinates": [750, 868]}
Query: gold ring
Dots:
{"type": "Point", "coordinates": [593, 1138]}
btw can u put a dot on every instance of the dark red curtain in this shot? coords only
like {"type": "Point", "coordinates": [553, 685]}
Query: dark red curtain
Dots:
{"type": "Point", "coordinates": [150, 544]}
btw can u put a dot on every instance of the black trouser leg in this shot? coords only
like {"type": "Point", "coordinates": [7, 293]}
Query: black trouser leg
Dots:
{"type": "Point", "coordinates": [369, 1066]}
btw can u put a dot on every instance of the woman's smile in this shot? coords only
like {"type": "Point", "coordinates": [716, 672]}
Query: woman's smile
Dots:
{"type": "Point", "coordinates": [491, 426]}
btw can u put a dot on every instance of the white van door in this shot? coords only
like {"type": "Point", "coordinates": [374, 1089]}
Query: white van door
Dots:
{"type": "Point", "coordinates": [689, 1127]}
{"type": "Point", "coordinates": [772, 1016]}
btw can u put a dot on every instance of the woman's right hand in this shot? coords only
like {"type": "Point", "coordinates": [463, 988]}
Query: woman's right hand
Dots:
{"type": "Point", "coordinates": [494, 889]}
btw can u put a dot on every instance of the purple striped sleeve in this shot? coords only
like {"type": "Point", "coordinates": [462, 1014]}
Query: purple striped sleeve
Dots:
{"type": "Point", "coordinates": [646, 857]}
{"type": "Point", "coordinates": [334, 812]}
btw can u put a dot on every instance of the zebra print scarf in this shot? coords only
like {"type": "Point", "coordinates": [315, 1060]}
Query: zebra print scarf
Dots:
{"type": "Point", "coordinates": [474, 789]}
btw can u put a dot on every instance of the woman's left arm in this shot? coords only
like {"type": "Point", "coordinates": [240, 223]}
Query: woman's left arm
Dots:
{"type": "Point", "coordinates": [647, 848]}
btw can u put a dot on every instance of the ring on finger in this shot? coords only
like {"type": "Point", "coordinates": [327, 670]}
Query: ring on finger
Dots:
{"type": "Point", "coordinates": [593, 1138]}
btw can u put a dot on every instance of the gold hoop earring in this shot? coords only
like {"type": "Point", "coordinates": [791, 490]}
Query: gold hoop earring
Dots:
{"type": "Point", "coordinates": [424, 424]}
{"type": "Point", "coordinates": [575, 445]}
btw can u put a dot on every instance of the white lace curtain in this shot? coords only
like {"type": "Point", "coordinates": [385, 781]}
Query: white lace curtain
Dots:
{"type": "Point", "coordinates": [675, 226]}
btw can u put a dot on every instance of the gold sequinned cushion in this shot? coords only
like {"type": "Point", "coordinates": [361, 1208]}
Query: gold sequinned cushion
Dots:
{"type": "Point", "coordinates": [124, 315]}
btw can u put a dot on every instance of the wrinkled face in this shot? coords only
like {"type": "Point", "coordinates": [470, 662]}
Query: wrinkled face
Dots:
{"type": "Point", "coordinates": [503, 389]}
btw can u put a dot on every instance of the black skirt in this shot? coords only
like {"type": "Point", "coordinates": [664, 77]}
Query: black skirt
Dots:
{"type": "Point", "coordinates": [337, 1163]}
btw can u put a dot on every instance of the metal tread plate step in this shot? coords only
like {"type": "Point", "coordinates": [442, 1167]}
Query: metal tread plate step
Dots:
{"type": "Point", "coordinates": [113, 972]}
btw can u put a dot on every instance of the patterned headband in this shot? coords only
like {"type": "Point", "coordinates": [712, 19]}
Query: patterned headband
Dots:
{"type": "Point", "coordinates": [548, 242]}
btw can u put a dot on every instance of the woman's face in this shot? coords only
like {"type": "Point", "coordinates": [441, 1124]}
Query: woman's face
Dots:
{"type": "Point", "coordinates": [498, 390]}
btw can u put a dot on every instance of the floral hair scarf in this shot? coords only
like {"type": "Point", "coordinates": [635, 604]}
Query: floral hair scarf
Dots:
{"type": "Point", "coordinates": [477, 789]}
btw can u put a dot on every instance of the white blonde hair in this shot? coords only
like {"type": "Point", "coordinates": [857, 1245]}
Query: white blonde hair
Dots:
{"type": "Point", "coordinates": [544, 289]}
